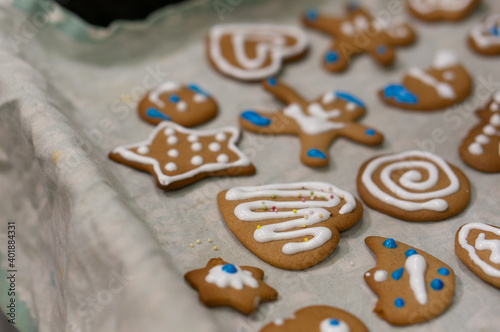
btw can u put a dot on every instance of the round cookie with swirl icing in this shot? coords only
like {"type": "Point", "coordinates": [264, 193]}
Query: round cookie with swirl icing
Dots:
{"type": "Point", "coordinates": [318, 318]}
{"type": "Point", "coordinates": [484, 38]}
{"type": "Point", "coordinates": [187, 105]}
{"type": "Point", "coordinates": [444, 84]}
{"type": "Point", "coordinates": [292, 226]}
{"type": "Point", "coordinates": [441, 10]}
{"type": "Point", "coordinates": [413, 186]}
{"type": "Point", "coordinates": [412, 286]}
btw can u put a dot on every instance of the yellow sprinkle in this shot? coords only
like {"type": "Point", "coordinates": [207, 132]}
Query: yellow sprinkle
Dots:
{"type": "Point", "coordinates": [320, 215]}
{"type": "Point", "coordinates": [191, 245]}
{"type": "Point", "coordinates": [322, 196]}
{"type": "Point", "coordinates": [258, 226]}
{"type": "Point", "coordinates": [306, 239]}
{"type": "Point", "coordinates": [306, 217]}
{"type": "Point", "coordinates": [299, 195]}
{"type": "Point", "coordinates": [294, 210]}
{"type": "Point", "coordinates": [215, 247]}
{"type": "Point", "coordinates": [341, 196]}
{"type": "Point", "coordinates": [303, 225]}
{"type": "Point", "coordinates": [55, 156]}
{"type": "Point", "coordinates": [62, 272]}
{"type": "Point", "coordinates": [314, 195]}
{"type": "Point", "coordinates": [198, 241]}
{"type": "Point", "coordinates": [209, 240]}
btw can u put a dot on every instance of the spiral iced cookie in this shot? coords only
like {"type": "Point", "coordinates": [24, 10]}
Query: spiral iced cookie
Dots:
{"type": "Point", "coordinates": [413, 186]}
{"type": "Point", "coordinates": [441, 10]}
{"type": "Point", "coordinates": [251, 52]}
{"type": "Point", "coordinates": [188, 105]}
{"type": "Point", "coordinates": [291, 226]}
{"type": "Point", "coordinates": [358, 32]}
{"type": "Point", "coordinates": [478, 247]}
{"type": "Point", "coordinates": [319, 318]}
{"type": "Point", "coordinates": [481, 148]}
{"type": "Point", "coordinates": [223, 284]}
{"type": "Point", "coordinates": [412, 286]}
{"type": "Point", "coordinates": [484, 38]}
{"type": "Point", "coordinates": [177, 156]}
{"type": "Point", "coordinates": [444, 84]}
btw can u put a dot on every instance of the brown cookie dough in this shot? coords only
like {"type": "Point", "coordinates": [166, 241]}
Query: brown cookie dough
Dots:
{"type": "Point", "coordinates": [177, 156]}
{"type": "Point", "coordinates": [319, 318]}
{"type": "Point", "coordinates": [413, 186]}
{"type": "Point", "coordinates": [441, 10]}
{"type": "Point", "coordinates": [478, 247]}
{"type": "Point", "coordinates": [292, 226]}
{"type": "Point", "coordinates": [412, 286]}
{"type": "Point", "coordinates": [484, 38]}
{"type": "Point", "coordinates": [223, 284]}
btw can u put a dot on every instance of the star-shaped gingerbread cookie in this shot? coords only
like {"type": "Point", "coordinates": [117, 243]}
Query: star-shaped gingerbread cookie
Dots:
{"type": "Point", "coordinates": [223, 284]}
{"type": "Point", "coordinates": [317, 123]}
{"type": "Point", "coordinates": [178, 156]}
{"type": "Point", "coordinates": [358, 32]}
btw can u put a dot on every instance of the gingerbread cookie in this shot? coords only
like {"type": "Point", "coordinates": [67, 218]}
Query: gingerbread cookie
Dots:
{"type": "Point", "coordinates": [484, 38]}
{"type": "Point", "coordinates": [317, 123]}
{"type": "Point", "coordinates": [291, 226]}
{"type": "Point", "coordinates": [251, 52]}
{"type": "Point", "coordinates": [414, 186]}
{"type": "Point", "coordinates": [412, 286]}
{"type": "Point", "coordinates": [441, 10]}
{"type": "Point", "coordinates": [358, 33]}
{"type": "Point", "coordinates": [478, 247]}
{"type": "Point", "coordinates": [319, 318]}
{"type": "Point", "coordinates": [481, 148]}
{"type": "Point", "coordinates": [188, 105]}
{"type": "Point", "coordinates": [444, 84]}
{"type": "Point", "coordinates": [177, 156]}
{"type": "Point", "coordinates": [223, 284]}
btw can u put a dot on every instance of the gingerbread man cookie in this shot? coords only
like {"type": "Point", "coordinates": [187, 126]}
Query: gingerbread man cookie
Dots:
{"type": "Point", "coordinates": [252, 52]}
{"type": "Point", "coordinates": [414, 186]}
{"type": "Point", "coordinates": [223, 284]}
{"type": "Point", "coordinates": [438, 10]}
{"type": "Point", "coordinates": [484, 38]}
{"type": "Point", "coordinates": [291, 226]}
{"type": "Point", "coordinates": [188, 105]}
{"type": "Point", "coordinates": [478, 247]}
{"type": "Point", "coordinates": [177, 156]}
{"type": "Point", "coordinates": [412, 286]}
{"type": "Point", "coordinates": [317, 123]}
{"type": "Point", "coordinates": [359, 33]}
{"type": "Point", "coordinates": [318, 318]}
{"type": "Point", "coordinates": [446, 83]}
{"type": "Point", "coordinates": [481, 148]}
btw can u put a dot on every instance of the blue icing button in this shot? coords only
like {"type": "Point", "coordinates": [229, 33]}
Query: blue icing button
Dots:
{"type": "Point", "coordinates": [494, 31]}
{"type": "Point", "coordinates": [349, 97]}
{"type": "Point", "coordinates": [272, 81]}
{"type": "Point", "coordinates": [334, 322]}
{"type": "Point", "coordinates": [399, 302]}
{"type": "Point", "coordinates": [331, 57]}
{"type": "Point", "coordinates": [443, 271]}
{"type": "Point", "coordinates": [400, 93]}
{"type": "Point", "coordinates": [370, 132]}
{"type": "Point", "coordinates": [396, 275]}
{"type": "Point", "coordinates": [390, 243]}
{"type": "Point", "coordinates": [315, 153]}
{"type": "Point", "coordinates": [410, 252]}
{"type": "Point", "coordinates": [229, 268]}
{"type": "Point", "coordinates": [154, 113]}
{"type": "Point", "coordinates": [312, 14]}
{"type": "Point", "coordinates": [196, 88]}
{"type": "Point", "coordinates": [382, 49]}
{"type": "Point", "coordinates": [256, 118]}
{"type": "Point", "coordinates": [437, 284]}
{"type": "Point", "coordinates": [174, 98]}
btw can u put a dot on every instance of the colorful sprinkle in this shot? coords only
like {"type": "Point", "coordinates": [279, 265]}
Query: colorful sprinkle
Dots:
{"type": "Point", "coordinates": [320, 215]}
{"type": "Point", "coordinates": [312, 192]}
{"type": "Point", "coordinates": [303, 225]}
{"type": "Point", "coordinates": [265, 207]}
{"type": "Point", "coordinates": [311, 212]}
{"type": "Point", "coordinates": [370, 132]}
{"type": "Point", "coordinates": [294, 210]}
{"type": "Point", "coordinates": [209, 240]}
{"type": "Point", "coordinates": [258, 226]}
{"type": "Point", "coordinates": [443, 271]}
{"type": "Point", "coordinates": [273, 196]}
{"type": "Point", "coordinates": [299, 195]}
{"type": "Point", "coordinates": [191, 245]}
{"type": "Point", "coordinates": [390, 243]}
{"type": "Point", "coordinates": [331, 196]}
{"type": "Point", "coordinates": [399, 302]}
{"type": "Point", "coordinates": [410, 252]}
{"type": "Point", "coordinates": [306, 239]}
{"type": "Point", "coordinates": [306, 217]}
{"type": "Point", "coordinates": [303, 199]}
{"type": "Point", "coordinates": [437, 284]}
{"type": "Point", "coordinates": [331, 57]}
{"type": "Point", "coordinates": [396, 275]}
{"type": "Point", "coordinates": [229, 268]}
{"type": "Point", "coordinates": [215, 248]}
{"type": "Point", "coordinates": [174, 98]}
{"type": "Point", "coordinates": [198, 241]}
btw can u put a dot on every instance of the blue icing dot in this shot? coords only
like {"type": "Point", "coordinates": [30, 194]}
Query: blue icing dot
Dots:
{"type": "Point", "coordinates": [410, 252]}
{"type": "Point", "coordinates": [256, 118]}
{"type": "Point", "coordinates": [331, 56]}
{"type": "Point", "coordinates": [399, 302]}
{"type": "Point", "coordinates": [400, 93]}
{"type": "Point", "coordinates": [272, 81]}
{"type": "Point", "coordinates": [396, 275]}
{"type": "Point", "coordinates": [443, 271]}
{"type": "Point", "coordinates": [174, 98]}
{"type": "Point", "coordinates": [349, 97]}
{"type": "Point", "coordinates": [312, 14]}
{"type": "Point", "coordinates": [390, 243]}
{"type": "Point", "coordinates": [229, 268]}
{"type": "Point", "coordinates": [437, 284]}
{"type": "Point", "coordinates": [370, 132]}
{"type": "Point", "coordinates": [382, 49]}
{"type": "Point", "coordinates": [334, 322]}
{"type": "Point", "coordinates": [315, 153]}
{"type": "Point", "coordinates": [196, 88]}
{"type": "Point", "coordinates": [494, 31]}
{"type": "Point", "coordinates": [154, 113]}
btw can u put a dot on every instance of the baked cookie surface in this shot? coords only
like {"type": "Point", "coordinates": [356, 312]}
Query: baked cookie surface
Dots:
{"type": "Point", "coordinates": [441, 10]}
{"type": "Point", "coordinates": [484, 38]}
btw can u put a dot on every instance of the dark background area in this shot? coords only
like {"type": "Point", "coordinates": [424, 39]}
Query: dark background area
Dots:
{"type": "Point", "coordinates": [4, 325]}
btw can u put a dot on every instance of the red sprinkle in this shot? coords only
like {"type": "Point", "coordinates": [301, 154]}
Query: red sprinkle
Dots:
{"type": "Point", "coordinates": [331, 196]}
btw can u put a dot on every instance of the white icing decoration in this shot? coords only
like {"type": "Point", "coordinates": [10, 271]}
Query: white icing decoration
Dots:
{"type": "Point", "coordinates": [197, 160]}
{"type": "Point", "coordinates": [482, 139]}
{"type": "Point", "coordinates": [181, 106]}
{"type": "Point", "coordinates": [416, 266]}
{"type": "Point", "coordinates": [271, 44]}
{"type": "Point", "coordinates": [279, 231]}
{"type": "Point", "coordinates": [220, 137]}
{"type": "Point", "coordinates": [380, 275]}
{"type": "Point", "coordinates": [236, 280]}
{"type": "Point", "coordinates": [495, 120]}
{"type": "Point", "coordinates": [429, 6]}
{"type": "Point", "coordinates": [405, 199]}
{"type": "Point", "coordinates": [489, 130]}
{"type": "Point", "coordinates": [351, 107]}
{"type": "Point", "coordinates": [347, 28]}
{"type": "Point", "coordinates": [325, 326]}
{"type": "Point", "coordinates": [279, 321]}
{"type": "Point", "coordinates": [169, 131]}
{"type": "Point", "coordinates": [222, 158]}
{"type": "Point", "coordinates": [316, 110]}
{"type": "Point", "coordinates": [199, 98]}
{"type": "Point", "coordinates": [173, 153]}
{"type": "Point", "coordinates": [214, 147]}
{"type": "Point", "coordinates": [328, 97]}
{"type": "Point", "coordinates": [169, 86]}
{"type": "Point", "coordinates": [143, 149]}
{"type": "Point", "coordinates": [164, 179]}
{"type": "Point", "coordinates": [462, 240]}
{"type": "Point", "coordinates": [443, 89]}
{"type": "Point", "coordinates": [172, 140]}
{"type": "Point", "coordinates": [196, 146]}
{"type": "Point", "coordinates": [492, 245]}
{"type": "Point", "coordinates": [444, 59]}
{"type": "Point", "coordinates": [480, 33]}
{"type": "Point", "coordinates": [494, 107]}
{"type": "Point", "coordinates": [192, 138]}
{"type": "Point", "coordinates": [171, 167]}
{"type": "Point", "coordinates": [313, 124]}
{"type": "Point", "coordinates": [449, 75]}
{"type": "Point", "coordinates": [476, 148]}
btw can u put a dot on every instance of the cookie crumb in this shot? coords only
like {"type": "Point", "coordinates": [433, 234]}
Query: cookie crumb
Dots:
{"type": "Point", "coordinates": [215, 248]}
